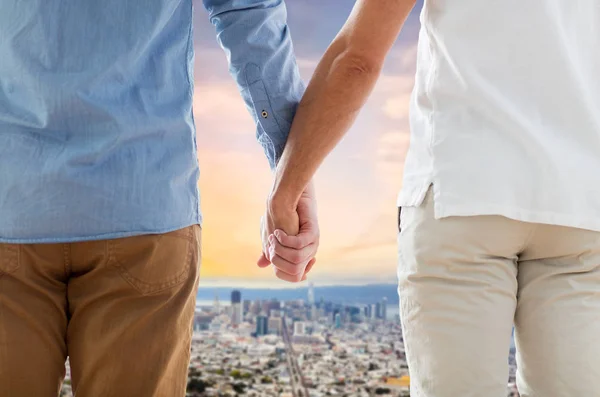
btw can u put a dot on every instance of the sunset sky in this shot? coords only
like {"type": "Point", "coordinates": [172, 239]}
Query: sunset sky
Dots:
{"type": "Point", "coordinates": [356, 187]}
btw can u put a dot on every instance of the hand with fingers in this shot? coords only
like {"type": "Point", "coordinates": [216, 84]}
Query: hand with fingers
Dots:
{"type": "Point", "coordinates": [290, 236]}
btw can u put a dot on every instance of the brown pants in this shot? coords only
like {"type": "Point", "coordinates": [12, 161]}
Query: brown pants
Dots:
{"type": "Point", "coordinates": [121, 309]}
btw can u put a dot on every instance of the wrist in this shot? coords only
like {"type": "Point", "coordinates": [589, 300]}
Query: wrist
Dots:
{"type": "Point", "coordinates": [288, 185]}
{"type": "Point", "coordinates": [282, 200]}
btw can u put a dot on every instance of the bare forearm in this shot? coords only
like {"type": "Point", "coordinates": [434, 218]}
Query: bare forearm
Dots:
{"type": "Point", "coordinates": [334, 97]}
{"type": "Point", "coordinates": [341, 85]}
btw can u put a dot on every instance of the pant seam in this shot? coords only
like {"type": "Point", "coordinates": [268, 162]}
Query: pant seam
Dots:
{"type": "Point", "coordinates": [67, 259]}
{"type": "Point", "coordinates": [533, 227]}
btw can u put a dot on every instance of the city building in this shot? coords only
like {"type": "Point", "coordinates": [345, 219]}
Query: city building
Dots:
{"type": "Point", "coordinates": [311, 294]}
{"type": "Point", "coordinates": [236, 314]}
{"type": "Point", "coordinates": [255, 308]}
{"type": "Point", "coordinates": [262, 326]}
{"type": "Point", "coordinates": [202, 321]}
{"type": "Point", "coordinates": [338, 320]}
{"type": "Point", "coordinates": [236, 297]}
{"type": "Point", "coordinates": [299, 328]}
{"type": "Point", "coordinates": [356, 358]}
{"type": "Point", "coordinates": [384, 309]}
{"type": "Point", "coordinates": [274, 325]}
{"type": "Point", "coordinates": [313, 314]}
{"type": "Point", "coordinates": [216, 305]}
{"type": "Point", "coordinates": [276, 313]}
{"type": "Point", "coordinates": [270, 306]}
{"type": "Point", "coordinates": [246, 315]}
{"type": "Point", "coordinates": [236, 308]}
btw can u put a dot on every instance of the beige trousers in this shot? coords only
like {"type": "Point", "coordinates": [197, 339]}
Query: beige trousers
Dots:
{"type": "Point", "coordinates": [464, 282]}
{"type": "Point", "coordinates": [121, 309]}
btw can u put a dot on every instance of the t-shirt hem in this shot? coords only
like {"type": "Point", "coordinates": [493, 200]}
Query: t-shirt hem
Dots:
{"type": "Point", "coordinates": [413, 195]}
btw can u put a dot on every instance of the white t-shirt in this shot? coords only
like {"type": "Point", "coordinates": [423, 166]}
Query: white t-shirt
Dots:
{"type": "Point", "coordinates": [505, 113]}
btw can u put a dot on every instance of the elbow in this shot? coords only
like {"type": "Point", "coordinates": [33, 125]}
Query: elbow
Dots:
{"type": "Point", "coordinates": [359, 66]}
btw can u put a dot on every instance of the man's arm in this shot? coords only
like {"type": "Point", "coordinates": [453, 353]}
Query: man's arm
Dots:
{"type": "Point", "coordinates": [256, 39]}
{"type": "Point", "coordinates": [340, 86]}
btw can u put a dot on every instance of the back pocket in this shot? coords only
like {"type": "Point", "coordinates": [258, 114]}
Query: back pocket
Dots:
{"type": "Point", "coordinates": [155, 262]}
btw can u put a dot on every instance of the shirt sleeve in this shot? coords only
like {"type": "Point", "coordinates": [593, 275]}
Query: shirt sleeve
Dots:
{"type": "Point", "coordinates": [257, 42]}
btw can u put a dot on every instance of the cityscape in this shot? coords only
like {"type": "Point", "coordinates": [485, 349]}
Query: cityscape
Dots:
{"type": "Point", "coordinates": [298, 348]}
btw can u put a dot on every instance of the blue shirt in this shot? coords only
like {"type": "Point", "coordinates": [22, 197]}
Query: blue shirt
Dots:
{"type": "Point", "coordinates": [97, 137]}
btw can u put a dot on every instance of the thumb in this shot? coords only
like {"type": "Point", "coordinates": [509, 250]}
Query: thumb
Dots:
{"type": "Point", "coordinates": [288, 222]}
{"type": "Point", "coordinates": [263, 261]}
{"type": "Point", "coordinates": [308, 268]}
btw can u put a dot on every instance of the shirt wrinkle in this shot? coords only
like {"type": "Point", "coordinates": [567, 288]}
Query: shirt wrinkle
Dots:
{"type": "Point", "coordinates": [507, 124]}
{"type": "Point", "coordinates": [97, 134]}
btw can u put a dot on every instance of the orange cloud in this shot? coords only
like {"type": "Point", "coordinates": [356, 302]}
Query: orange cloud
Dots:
{"type": "Point", "coordinates": [397, 107]}
{"type": "Point", "coordinates": [356, 188]}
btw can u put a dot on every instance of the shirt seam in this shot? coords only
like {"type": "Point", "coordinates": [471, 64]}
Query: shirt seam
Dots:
{"type": "Point", "coordinates": [430, 80]}
{"type": "Point", "coordinates": [188, 53]}
{"type": "Point", "coordinates": [189, 65]}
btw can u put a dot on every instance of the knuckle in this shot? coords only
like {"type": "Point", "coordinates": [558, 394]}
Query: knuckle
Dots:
{"type": "Point", "coordinates": [298, 270]}
{"type": "Point", "coordinates": [280, 275]}
{"type": "Point", "coordinates": [297, 257]}
{"type": "Point", "coordinates": [287, 270]}
{"type": "Point", "coordinates": [276, 261]}
{"type": "Point", "coordinates": [290, 269]}
{"type": "Point", "coordinates": [298, 243]}
{"type": "Point", "coordinates": [297, 278]}
{"type": "Point", "coordinates": [277, 248]}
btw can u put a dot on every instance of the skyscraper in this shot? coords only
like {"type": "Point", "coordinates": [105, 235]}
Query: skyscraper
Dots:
{"type": "Point", "coordinates": [216, 305]}
{"type": "Point", "coordinates": [311, 301]}
{"type": "Point", "coordinates": [378, 310]}
{"type": "Point", "coordinates": [311, 294]}
{"type": "Point", "coordinates": [262, 325]}
{"type": "Point", "coordinates": [236, 307]}
{"type": "Point", "coordinates": [373, 311]}
{"type": "Point", "coordinates": [338, 320]}
{"type": "Point", "coordinates": [256, 307]}
{"type": "Point", "coordinates": [384, 309]}
{"type": "Point", "coordinates": [314, 314]}
{"type": "Point", "coordinates": [334, 314]}
{"type": "Point", "coordinates": [236, 314]}
{"type": "Point", "coordinates": [236, 297]}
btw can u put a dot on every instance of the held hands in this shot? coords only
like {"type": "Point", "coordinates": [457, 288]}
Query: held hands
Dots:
{"type": "Point", "coordinates": [290, 236]}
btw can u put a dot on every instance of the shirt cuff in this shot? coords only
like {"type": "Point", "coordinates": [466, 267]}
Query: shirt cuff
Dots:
{"type": "Point", "coordinates": [273, 114]}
